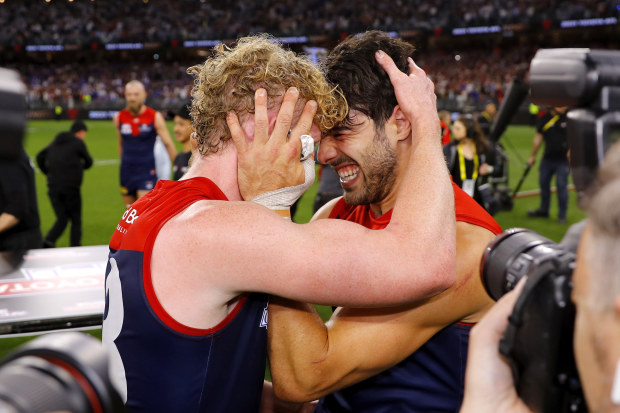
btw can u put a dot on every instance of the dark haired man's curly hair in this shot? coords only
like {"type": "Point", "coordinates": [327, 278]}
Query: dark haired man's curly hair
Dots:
{"type": "Point", "coordinates": [352, 67]}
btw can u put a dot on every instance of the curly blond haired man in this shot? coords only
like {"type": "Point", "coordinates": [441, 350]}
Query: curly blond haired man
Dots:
{"type": "Point", "coordinates": [191, 265]}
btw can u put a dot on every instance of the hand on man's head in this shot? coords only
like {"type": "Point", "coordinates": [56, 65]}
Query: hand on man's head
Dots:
{"type": "Point", "coordinates": [416, 97]}
{"type": "Point", "coordinates": [271, 161]}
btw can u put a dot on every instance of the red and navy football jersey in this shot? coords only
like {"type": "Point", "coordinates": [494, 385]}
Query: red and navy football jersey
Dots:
{"type": "Point", "coordinates": [138, 135]}
{"type": "Point", "coordinates": [157, 363]}
{"type": "Point", "coordinates": [431, 379]}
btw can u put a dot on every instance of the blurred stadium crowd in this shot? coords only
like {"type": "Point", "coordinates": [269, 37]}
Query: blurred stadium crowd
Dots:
{"type": "Point", "coordinates": [464, 81]}
{"type": "Point", "coordinates": [468, 83]}
{"type": "Point", "coordinates": [84, 23]}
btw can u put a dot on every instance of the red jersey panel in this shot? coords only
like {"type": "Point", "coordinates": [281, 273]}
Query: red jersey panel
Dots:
{"type": "Point", "coordinates": [157, 363]}
{"type": "Point", "coordinates": [431, 379]}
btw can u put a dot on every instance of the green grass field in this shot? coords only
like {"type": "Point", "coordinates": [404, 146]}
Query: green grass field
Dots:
{"type": "Point", "coordinates": [103, 207]}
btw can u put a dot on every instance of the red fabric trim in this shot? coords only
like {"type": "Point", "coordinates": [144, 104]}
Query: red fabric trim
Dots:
{"type": "Point", "coordinates": [147, 282]}
{"type": "Point", "coordinates": [88, 389]}
{"type": "Point", "coordinates": [466, 210]}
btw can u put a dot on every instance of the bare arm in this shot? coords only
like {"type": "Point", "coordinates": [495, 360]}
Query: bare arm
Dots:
{"type": "Point", "coordinates": [538, 138]}
{"type": "Point", "coordinates": [310, 359]}
{"type": "Point", "coordinates": [118, 133]}
{"type": "Point", "coordinates": [164, 134]}
{"type": "Point", "coordinates": [7, 221]}
{"type": "Point", "coordinates": [271, 404]}
{"type": "Point", "coordinates": [329, 261]}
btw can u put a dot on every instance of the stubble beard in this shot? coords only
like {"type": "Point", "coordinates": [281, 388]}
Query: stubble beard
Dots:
{"type": "Point", "coordinates": [378, 165]}
{"type": "Point", "coordinates": [135, 109]}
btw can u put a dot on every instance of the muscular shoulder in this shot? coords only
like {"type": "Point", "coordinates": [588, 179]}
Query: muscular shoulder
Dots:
{"type": "Point", "coordinates": [201, 233]}
{"type": "Point", "coordinates": [216, 221]}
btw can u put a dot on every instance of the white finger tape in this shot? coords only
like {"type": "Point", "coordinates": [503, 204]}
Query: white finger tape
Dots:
{"type": "Point", "coordinates": [307, 146]}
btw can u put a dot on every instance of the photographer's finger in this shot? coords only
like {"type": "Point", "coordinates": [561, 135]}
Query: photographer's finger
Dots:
{"type": "Point", "coordinates": [494, 323]}
{"type": "Point", "coordinates": [285, 116]}
{"type": "Point", "coordinates": [236, 132]}
{"type": "Point", "coordinates": [261, 118]}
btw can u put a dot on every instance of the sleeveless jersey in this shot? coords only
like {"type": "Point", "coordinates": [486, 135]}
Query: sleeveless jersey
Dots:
{"type": "Point", "coordinates": [431, 379]}
{"type": "Point", "coordinates": [138, 134]}
{"type": "Point", "coordinates": [159, 364]}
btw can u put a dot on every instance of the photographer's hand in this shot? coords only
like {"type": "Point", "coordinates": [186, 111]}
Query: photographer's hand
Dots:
{"type": "Point", "coordinates": [489, 386]}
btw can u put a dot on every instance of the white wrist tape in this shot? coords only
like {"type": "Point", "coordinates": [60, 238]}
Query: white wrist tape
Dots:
{"type": "Point", "coordinates": [283, 198]}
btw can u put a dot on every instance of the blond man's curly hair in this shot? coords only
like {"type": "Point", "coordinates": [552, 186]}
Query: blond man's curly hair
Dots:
{"type": "Point", "coordinates": [227, 81]}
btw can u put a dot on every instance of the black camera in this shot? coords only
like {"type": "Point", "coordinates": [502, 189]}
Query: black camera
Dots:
{"type": "Point", "coordinates": [58, 372]}
{"type": "Point", "coordinates": [539, 338]}
{"type": "Point", "coordinates": [587, 81]}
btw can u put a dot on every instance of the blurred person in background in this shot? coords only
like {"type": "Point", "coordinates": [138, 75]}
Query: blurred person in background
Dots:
{"type": "Point", "coordinates": [163, 165]}
{"type": "Point", "coordinates": [486, 117]}
{"type": "Point", "coordinates": [137, 127]}
{"type": "Point", "coordinates": [63, 162]}
{"type": "Point", "coordinates": [551, 130]}
{"type": "Point", "coordinates": [470, 158]}
{"type": "Point", "coordinates": [183, 133]}
{"type": "Point", "coordinates": [445, 120]}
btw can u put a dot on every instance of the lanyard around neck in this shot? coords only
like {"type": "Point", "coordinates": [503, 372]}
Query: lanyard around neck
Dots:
{"type": "Point", "coordinates": [459, 149]}
{"type": "Point", "coordinates": [550, 124]}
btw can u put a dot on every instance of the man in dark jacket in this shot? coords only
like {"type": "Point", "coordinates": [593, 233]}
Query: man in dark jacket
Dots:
{"type": "Point", "coordinates": [63, 161]}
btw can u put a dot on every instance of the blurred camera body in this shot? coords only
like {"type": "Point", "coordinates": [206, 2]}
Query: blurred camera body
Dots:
{"type": "Point", "coordinates": [538, 341]}
{"type": "Point", "coordinates": [588, 82]}
{"type": "Point", "coordinates": [58, 372]}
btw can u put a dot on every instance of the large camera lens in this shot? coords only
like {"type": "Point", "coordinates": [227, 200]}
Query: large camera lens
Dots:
{"type": "Point", "coordinates": [509, 257]}
{"type": "Point", "coordinates": [58, 372]}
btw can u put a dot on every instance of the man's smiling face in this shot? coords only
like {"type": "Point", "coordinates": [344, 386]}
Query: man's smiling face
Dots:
{"type": "Point", "coordinates": [363, 158]}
